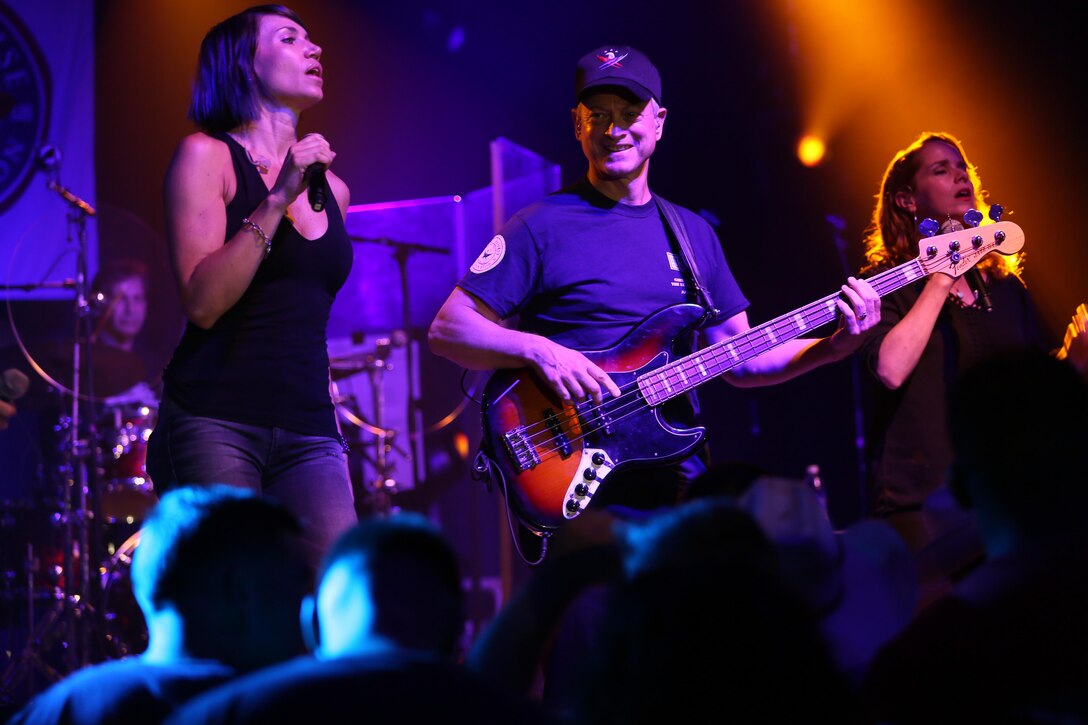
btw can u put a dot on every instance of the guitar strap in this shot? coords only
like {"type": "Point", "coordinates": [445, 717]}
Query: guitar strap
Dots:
{"type": "Point", "coordinates": [676, 224]}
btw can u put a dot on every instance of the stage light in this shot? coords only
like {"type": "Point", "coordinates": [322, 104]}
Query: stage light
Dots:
{"type": "Point", "coordinates": [810, 150]}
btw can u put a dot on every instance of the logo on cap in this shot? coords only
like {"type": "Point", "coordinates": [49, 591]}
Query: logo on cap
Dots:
{"type": "Point", "coordinates": [611, 60]}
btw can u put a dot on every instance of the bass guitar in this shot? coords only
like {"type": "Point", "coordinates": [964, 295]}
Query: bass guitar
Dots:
{"type": "Point", "coordinates": [551, 457]}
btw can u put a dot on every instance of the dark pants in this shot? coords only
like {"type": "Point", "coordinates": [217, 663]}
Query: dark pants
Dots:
{"type": "Point", "coordinates": [307, 474]}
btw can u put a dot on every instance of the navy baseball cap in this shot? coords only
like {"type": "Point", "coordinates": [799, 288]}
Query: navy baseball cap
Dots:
{"type": "Point", "coordinates": [619, 66]}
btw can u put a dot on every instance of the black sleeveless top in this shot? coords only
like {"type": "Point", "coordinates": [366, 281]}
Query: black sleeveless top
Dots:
{"type": "Point", "coordinates": [265, 361]}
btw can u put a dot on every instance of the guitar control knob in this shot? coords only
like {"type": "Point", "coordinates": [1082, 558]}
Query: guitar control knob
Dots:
{"type": "Point", "coordinates": [931, 251]}
{"type": "Point", "coordinates": [954, 245]}
{"type": "Point", "coordinates": [572, 506]}
{"type": "Point", "coordinates": [598, 459]}
{"type": "Point", "coordinates": [581, 490]}
{"type": "Point", "coordinates": [590, 474]}
{"type": "Point", "coordinates": [999, 237]}
{"type": "Point", "coordinates": [976, 241]}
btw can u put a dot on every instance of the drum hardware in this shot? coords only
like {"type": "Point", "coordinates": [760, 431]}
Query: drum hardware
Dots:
{"type": "Point", "coordinates": [70, 621]}
{"type": "Point", "coordinates": [124, 627]}
{"type": "Point", "coordinates": [401, 252]}
{"type": "Point", "coordinates": [383, 486]}
{"type": "Point", "coordinates": [125, 491]}
{"type": "Point", "coordinates": [40, 638]}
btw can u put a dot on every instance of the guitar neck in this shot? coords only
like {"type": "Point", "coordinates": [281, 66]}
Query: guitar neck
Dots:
{"type": "Point", "coordinates": [687, 373]}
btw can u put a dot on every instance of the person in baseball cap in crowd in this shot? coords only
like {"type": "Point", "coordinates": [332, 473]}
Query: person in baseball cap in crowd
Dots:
{"type": "Point", "coordinates": [601, 261]}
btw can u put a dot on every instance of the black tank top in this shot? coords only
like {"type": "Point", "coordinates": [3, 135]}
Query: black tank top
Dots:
{"type": "Point", "coordinates": [265, 362]}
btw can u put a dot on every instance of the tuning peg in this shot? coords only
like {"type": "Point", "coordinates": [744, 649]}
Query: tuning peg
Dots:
{"type": "Point", "coordinates": [996, 210]}
{"type": "Point", "coordinates": [973, 218]}
{"type": "Point", "coordinates": [928, 227]}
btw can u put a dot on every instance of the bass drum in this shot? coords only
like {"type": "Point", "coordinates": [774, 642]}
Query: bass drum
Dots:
{"type": "Point", "coordinates": [124, 628]}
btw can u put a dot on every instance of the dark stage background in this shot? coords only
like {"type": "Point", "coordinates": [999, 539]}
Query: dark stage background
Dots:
{"type": "Point", "coordinates": [416, 91]}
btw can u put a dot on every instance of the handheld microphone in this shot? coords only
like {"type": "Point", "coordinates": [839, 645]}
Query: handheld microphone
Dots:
{"type": "Point", "coordinates": [318, 189]}
{"type": "Point", "coordinates": [978, 286]}
{"type": "Point", "coordinates": [13, 384]}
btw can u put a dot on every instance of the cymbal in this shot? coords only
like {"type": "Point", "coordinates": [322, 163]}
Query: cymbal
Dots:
{"type": "Point", "coordinates": [344, 366]}
{"type": "Point", "coordinates": [110, 372]}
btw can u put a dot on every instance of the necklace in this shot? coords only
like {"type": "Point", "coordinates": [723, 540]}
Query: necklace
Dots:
{"type": "Point", "coordinates": [262, 164]}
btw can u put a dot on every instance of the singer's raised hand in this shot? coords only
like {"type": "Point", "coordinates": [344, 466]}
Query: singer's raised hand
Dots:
{"type": "Point", "coordinates": [312, 149]}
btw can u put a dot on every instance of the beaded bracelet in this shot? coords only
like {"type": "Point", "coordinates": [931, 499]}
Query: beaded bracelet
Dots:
{"type": "Point", "coordinates": [247, 222]}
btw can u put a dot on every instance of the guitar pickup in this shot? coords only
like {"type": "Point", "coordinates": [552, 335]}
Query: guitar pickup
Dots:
{"type": "Point", "coordinates": [560, 439]}
{"type": "Point", "coordinates": [596, 420]}
{"type": "Point", "coordinates": [520, 449]}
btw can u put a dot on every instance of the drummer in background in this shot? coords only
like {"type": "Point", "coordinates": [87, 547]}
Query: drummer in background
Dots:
{"type": "Point", "coordinates": [125, 369]}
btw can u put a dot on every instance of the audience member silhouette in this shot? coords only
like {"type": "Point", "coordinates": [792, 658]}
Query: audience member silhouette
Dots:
{"type": "Point", "coordinates": [557, 612]}
{"type": "Point", "coordinates": [859, 582]}
{"type": "Point", "coordinates": [704, 628]}
{"type": "Point", "coordinates": [1007, 643]}
{"type": "Point", "coordinates": [389, 613]}
{"type": "Point", "coordinates": [218, 580]}
{"type": "Point", "coordinates": [567, 590]}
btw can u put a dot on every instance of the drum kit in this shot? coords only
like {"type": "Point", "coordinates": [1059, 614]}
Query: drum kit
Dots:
{"type": "Point", "coordinates": [66, 552]}
{"type": "Point", "coordinates": [100, 496]}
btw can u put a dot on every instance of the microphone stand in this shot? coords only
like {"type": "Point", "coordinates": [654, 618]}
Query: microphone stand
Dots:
{"type": "Point", "coordinates": [80, 501]}
{"type": "Point", "coordinates": [73, 609]}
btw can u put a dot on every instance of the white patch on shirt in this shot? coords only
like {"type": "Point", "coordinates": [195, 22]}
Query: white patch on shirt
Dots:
{"type": "Point", "coordinates": [673, 265]}
{"type": "Point", "coordinates": [491, 256]}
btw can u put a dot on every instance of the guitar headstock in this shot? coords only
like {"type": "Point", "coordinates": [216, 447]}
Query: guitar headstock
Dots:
{"type": "Point", "coordinates": [957, 251]}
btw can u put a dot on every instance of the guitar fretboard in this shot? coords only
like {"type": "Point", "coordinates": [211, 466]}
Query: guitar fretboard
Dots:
{"type": "Point", "coordinates": [684, 374]}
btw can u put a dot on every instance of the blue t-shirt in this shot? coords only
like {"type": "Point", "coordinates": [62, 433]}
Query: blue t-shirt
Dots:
{"type": "Point", "coordinates": [583, 270]}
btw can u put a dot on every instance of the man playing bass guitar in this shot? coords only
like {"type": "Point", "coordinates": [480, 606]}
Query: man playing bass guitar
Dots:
{"type": "Point", "coordinates": [589, 266]}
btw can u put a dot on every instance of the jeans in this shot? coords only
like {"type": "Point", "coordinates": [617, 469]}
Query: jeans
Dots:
{"type": "Point", "coordinates": [308, 474]}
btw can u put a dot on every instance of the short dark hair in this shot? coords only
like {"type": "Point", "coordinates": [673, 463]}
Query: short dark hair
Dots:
{"type": "Point", "coordinates": [118, 270]}
{"type": "Point", "coordinates": [225, 90]}
{"type": "Point", "coordinates": [195, 526]}
{"type": "Point", "coordinates": [406, 559]}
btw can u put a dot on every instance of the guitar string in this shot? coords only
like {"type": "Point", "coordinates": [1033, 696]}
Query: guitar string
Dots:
{"type": "Point", "coordinates": [743, 344]}
{"type": "Point", "coordinates": [883, 283]}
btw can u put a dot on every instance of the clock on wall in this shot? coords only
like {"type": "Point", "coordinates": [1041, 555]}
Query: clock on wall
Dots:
{"type": "Point", "coordinates": [24, 105]}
